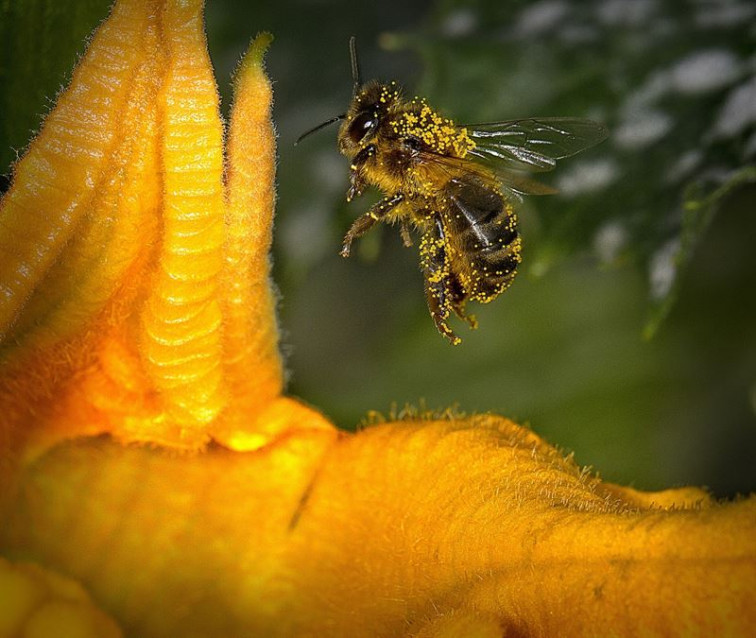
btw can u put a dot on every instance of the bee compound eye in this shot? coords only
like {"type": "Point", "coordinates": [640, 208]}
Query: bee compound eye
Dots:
{"type": "Point", "coordinates": [361, 125]}
{"type": "Point", "coordinates": [412, 143]}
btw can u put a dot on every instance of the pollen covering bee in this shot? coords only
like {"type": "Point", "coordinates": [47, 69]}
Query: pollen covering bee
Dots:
{"type": "Point", "coordinates": [456, 185]}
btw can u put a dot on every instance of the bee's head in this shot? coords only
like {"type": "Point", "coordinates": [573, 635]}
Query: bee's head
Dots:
{"type": "Point", "coordinates": [370, 103]}
{"type": "Point", "coordinates": [368, 110]}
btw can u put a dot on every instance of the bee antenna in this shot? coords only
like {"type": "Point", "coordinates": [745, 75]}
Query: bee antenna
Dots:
{"type": "Point", "coordinates": [320, 126]}
{"type": "Point", "coordinates": [356, 75]}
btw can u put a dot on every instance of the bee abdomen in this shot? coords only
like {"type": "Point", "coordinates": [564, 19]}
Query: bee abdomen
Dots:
{"type": "Point", "coordinates": [494, 254]}
{"type": "Point", "coordinates": [486, 229]}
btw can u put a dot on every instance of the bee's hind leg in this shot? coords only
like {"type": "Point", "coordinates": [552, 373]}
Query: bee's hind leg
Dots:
{"type": "Point", "coordinates": [365, 222]}
{"type": "Point", "coordinates": [439, 310]}
{"type": "Point", "coordinates": [435, 266]}
{"type": "Point", "coordinates": [458, 301]}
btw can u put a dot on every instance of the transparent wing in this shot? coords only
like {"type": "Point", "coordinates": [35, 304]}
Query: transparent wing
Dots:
{"type": "Point", "coordinates": [533, 144]}
{"type": "Point", "coordinates": [514, 182]}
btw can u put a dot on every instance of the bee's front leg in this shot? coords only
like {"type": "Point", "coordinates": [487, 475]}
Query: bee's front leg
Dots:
{"type": "Point", "coordinates": [434, 262]}
{"type": "Point", "coordinates": [356, 180]}
{"type": "Point", "coordinates": [356, 184]}
{"type": "Point", "coordinates": [365, 222]}
{"type": "Point", "coordinates": [404, 229]}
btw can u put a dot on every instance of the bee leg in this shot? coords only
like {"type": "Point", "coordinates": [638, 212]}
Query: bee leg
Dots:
{"type": "Point", "coordinates": [458, 301]}
{"type": "Point", "coordinates": [435, 266]}
{"type": "Point", "coordinates": [356, 185]}
{"type": "Point", "coordinates": [404, 229]}
{"type": "Point", "coordinates": [365, 222]}
{"type": "Point", "coordinates": [438, 306]}
{"type": "Point", "coordinates": [356, 181]}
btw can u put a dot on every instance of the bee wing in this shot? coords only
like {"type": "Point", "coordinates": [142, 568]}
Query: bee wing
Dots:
{"type": "Point", "coordinates": [533, 144]}
{"type": "Point", "coordinates": [491, 173]}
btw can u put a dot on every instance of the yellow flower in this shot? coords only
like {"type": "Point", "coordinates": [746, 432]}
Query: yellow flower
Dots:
{"type": "Point", "coordinates": [147, 450]}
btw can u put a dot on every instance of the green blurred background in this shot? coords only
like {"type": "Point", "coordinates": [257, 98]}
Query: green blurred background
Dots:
{"type": "Point", "coordinates": [630, 335]}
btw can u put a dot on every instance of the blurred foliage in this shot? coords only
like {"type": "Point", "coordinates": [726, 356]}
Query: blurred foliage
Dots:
{"type": "Point", "coordinates": [661, 212]}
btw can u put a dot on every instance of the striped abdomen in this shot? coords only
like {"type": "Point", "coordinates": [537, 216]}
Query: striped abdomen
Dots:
{"type": "Point", "coordinates": [483, 226]}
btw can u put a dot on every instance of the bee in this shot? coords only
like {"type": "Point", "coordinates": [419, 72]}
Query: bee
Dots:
{"type": "Point", "coordinates": [457, 185]}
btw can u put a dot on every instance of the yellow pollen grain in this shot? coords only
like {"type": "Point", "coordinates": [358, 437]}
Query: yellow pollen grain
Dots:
{"type": "Point", "coordinates": [438, 133]}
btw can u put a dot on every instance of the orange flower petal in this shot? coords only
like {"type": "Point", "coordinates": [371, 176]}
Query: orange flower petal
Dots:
{"type": "Point", "coordinates": [138, 304]}
{"type": "Point", "coordinates": [405, 529]}
{"type": "Point", "coordinates": [139, 301]}
{"type": "Point", "coordinates": [37, 603]}
{"type": "Point", "coordinates": [47, 214]}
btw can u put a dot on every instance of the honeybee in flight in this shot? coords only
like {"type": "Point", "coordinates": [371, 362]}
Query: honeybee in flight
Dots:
{"type": "Point", "coordinates": [455, 184]}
